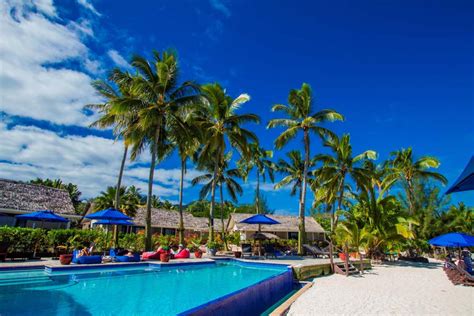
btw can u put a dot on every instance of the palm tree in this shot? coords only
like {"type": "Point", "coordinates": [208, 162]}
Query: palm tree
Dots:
{"type": "Point", "coordinates": [129, 200]}
{"type": "Point", "coordinates": [221, 125]}
{"type": "Point", "coordinates": [224, 177]}
{"type": "Point", "coordinates": [259, 159]}
{"type": "Point", "coordinates": [187, 144]}
{"type": "Point", "coordinates": [157, 96]}
{"type": "Point", "coordinates": [405, 169]}
{"type": "Point", "coordinates": [108, 118]}
{"type": "Point", "coordinates": [294, 172]}
{"type": "Point", "coordinates": [338, 166]}
{"type": "Point", "coordinates": [352, 237]}
{"type": "Point", "coordinates": [300, 117]}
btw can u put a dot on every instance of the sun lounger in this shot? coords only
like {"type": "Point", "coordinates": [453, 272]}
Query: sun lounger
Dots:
{"type": "Point", "coordinates": [315, 251]}
{"type": "Point", "coordinates": [270, 251]}
{"type": "Point", "coordinates": [85, 259]}
{"type": "Point", "coordinates": [247, 250]}
{"type": "Point", "coordinates": [135, 258]}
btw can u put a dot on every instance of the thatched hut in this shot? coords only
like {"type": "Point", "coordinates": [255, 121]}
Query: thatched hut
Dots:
{"type": "Point", "coordinates": [287, 229]}
{"type": "Point", "coordinates": [18, 197]}
{"type": "Point", "coordinates": [167, 222]}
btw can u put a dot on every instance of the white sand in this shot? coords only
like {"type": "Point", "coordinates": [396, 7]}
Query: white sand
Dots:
{"type": "Point", "coordinates": [396, 289]}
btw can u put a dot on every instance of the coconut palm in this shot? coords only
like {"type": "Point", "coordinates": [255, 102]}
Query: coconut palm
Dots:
{"type": "Point", "coordinates": [405, 169]}
{"type": "Point", "coordinates": [225, 177]}
{"type": "Point", "coordinates": [221, 125]}
{"type": "Point", "coordinates": [187, 143]}
{"type": "Point", "coordinates": [129, 200]}
{"type": "Point", "coordinates": [300, 117]}
{"type": "Point", "coordinates": [156, 98]}
{"type": "Point", "coordinates": [108, 118]}
{"type": "Point", "coordinates": [258, 159]}
{"type": "Point", "coordinates": [339, 165]}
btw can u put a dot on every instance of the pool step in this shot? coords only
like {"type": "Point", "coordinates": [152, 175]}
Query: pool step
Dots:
{"type": "Point", "coordinates": [26, 281]}
{"type": "Point", "coordinates": [340, 268]}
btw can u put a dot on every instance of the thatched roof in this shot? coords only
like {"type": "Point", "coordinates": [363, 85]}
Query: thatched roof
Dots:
{"type": "Point", "coordinates": [26, 197]}
{"type": "Point", "coordinates": [287, 224]}
{"type": "Point", "coordinates": [170, 219]}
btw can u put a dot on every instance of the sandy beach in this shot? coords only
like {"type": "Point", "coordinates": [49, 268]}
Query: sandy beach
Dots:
{"type": "Point", "coordinates": [394, 289]}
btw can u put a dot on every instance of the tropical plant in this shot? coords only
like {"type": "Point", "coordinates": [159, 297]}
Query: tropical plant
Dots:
{"type": "Point", "coordinates": [405, 169]}
{"type": "Point", "coordinates": [338, 166]}
{"type": "Point", "coordinates": [221, 125]}
{"type": "Point", "coordinates": [258, 159]}
{"type": "Point", "coordinates": [157, 94]}
{"type": "Point", "coordinates": [224, 177]}
{"type": "Point", "coordinates": [109, 117]}
{"type": "Point", "coordinates": [294, 172]}
{"type": "Point", "coordinates": [300, 117]}
{"type": "Point", "coordinates": [130, 200]}
{"type": "Point", "coordinates": [186, 143]}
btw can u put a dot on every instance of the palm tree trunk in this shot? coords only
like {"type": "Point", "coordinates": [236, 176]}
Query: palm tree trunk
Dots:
{"type": "Point", "coordinates": [339, 201]}
{"type": "Point", "coordinates": [149, 198]}
{"type": "Point", "coordinates": [257, 200]}
{"type": "Point", "coordinates": [222, 216]}
{"type": "Point", "coordinates": [181, 220]}
{"type": "Point", "coordinates": [213, 202]}
{"type": "Point", "coordinates": [117, 192]}
{"type": "Point", "coordinates": [302, 231]}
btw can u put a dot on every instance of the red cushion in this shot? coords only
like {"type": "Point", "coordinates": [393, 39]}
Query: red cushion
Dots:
{"type": "Point", "coordinates": [183, 254]}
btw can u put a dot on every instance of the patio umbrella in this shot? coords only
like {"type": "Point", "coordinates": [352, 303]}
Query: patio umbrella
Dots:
{"type": "Point", "coordinates": [453, 240]}
{"type": "Point", "coordinates": [465, 182]}
{"type": "Point", "coordinates": [110, 214]}
{"type": "Point", "coordinates": [43, 216]}
{"type": "Point", "coordinates": [260, 219]}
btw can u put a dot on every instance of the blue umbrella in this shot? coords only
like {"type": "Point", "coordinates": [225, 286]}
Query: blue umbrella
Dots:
{"type": "Point", "coordinates": [261, 219]}
{"type": "Point", "coordinates": [114, 222]}
{"type": "Point", "coordinates": [43, 216]}
{"type": "Point", "coordinates": [109, 214]}
{"type": "Point", "coordinates": [453, 240]}
{"type": "Point", "coordinates": [465, 182]}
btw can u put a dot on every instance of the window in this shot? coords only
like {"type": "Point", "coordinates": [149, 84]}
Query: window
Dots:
{"type": "Point", "coordinates": [293, 235]}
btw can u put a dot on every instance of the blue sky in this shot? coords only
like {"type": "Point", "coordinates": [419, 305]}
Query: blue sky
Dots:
{"type": "Point", "coordinates": [400, 71]}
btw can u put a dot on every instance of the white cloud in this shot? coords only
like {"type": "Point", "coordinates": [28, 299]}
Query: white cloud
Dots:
{"type": "Point", "coordinates": [118, 59]}
{"type": "Point", "coordinates": [86, 4]}
{"type": "Point", "coordinates": [32, 48]}
{"type": "Point", "coordinates": [91, 162]}
{"type": "Point", "coordinates": [220, 6]}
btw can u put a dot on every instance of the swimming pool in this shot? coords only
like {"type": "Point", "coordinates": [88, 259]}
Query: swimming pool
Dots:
{"type": "Point", "coordinates": [228, 287]}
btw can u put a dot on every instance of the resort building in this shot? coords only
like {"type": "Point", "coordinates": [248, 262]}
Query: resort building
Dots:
{"type": "Point", "coordinates": [167, 222]}
{"type": "Point", "coordinates": [287, 229]}
{"type": "Point", "coordinates": [22, 198]}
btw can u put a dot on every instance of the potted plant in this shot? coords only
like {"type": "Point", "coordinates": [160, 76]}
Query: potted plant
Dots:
{"type": "Point", "coordinates": [195, 244]}
{"type": "Point", "coordinates": [164, 242]}
{"type": "Point", "coordinates": [212, 247]}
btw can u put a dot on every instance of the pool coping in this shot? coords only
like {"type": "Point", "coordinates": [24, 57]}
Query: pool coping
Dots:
{"type": "Point", "coordinates": [222, 298]}
{"type": "Point", "coordinates": [285, 306]}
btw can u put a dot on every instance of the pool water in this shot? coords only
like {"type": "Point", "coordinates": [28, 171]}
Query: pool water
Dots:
{"type": "Point", "coordinates": [130, 291]}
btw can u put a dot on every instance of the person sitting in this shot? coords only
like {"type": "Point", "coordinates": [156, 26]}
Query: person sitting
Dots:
{"type": "Point", "coordinates": [181, 253]}
{"type": "Point", "coordinates": [84, 252]}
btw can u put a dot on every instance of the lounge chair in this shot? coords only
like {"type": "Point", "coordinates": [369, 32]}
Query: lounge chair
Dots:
{"type": "Point", "coordinates": [315, 251]}
{"type": "Point", "coordinates": [114, 254]}
{"type": "Point", "coordinates": [270, 251]}
{"type": "Point", "coordinates": [85, 259]}
{"type": "Point", "coordinates": [247, 250]}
